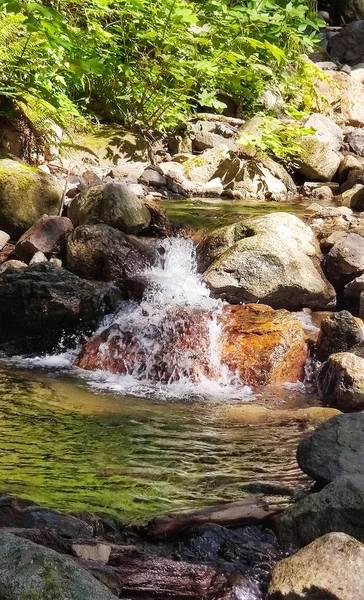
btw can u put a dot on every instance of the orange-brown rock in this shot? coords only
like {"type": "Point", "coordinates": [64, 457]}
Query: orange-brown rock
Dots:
{"type": "Point", "coordinates": [264, 346]}
{"type": "Point", "coordinates": [259, 345]}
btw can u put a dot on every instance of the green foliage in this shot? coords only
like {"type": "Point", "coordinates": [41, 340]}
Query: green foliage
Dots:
{"type": "Point", "coordinates": [149, 63]}
{"type": "Point", "coordinates": [279, 139]}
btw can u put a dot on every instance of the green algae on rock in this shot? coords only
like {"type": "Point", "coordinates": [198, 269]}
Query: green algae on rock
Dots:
{"type": "Point", "coordinates": [26, 193]}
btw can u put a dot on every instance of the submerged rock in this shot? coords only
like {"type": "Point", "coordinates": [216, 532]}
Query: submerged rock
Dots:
{"type": "Point", "coordinates": [258, 345]}
{"type": "Point", "coordinates": [338, 507]}
{"type": "Point", "coordinates": [46, 298]}
{"type": "Point", "coordinates": [103, 253]}
{"type": "Point", "coordinates": [26, 193]}
{"type": "Point", "coordinates": [330, 568]}
{"type": "Point", "coordinates": [28, 570]}
{"type": "Point", "coordinates": [334, 449]}
{"type": "Point", "coordinates": [340, 381]}
{"type": "Point", "coordinates": [272, 259]}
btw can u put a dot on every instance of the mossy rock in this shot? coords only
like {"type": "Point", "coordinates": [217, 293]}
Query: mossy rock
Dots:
{"type": "Point", "coordinates": [26, 193]}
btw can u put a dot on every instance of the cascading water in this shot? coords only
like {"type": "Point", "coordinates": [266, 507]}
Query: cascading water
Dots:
{"type": "Point", "coordinates": [169, 344]}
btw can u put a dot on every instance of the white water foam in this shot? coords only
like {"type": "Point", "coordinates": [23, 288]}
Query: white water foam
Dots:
{"type": "Point", "coordinates": [172, 289]}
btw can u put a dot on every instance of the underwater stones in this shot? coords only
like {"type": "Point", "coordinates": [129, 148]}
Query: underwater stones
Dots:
{"type": "Point", "coordinates": [334, 449]}
{"type": "Point", "coordinates": [28, 570]}
{"type": "Point", "coordinates": [47, 235]}
{"type": "Point", "coordinates": [340, 381]}
{"type": "Point", "coordinates": [263, 346]}
{"type": "Point", "coordinates": [272, 259]}
{"type": "Point", "coordinates": [337, 507]}
{"type": "Point", "coordinates": [259, 345]}
{"type": "Point", "coordinates": [339, 333]}
{"type": "Point", "coordinates": [103, 253]}
{"type": "Point", "coordinates": [26, 193]}
{"type": "Point", "coordinates": [113, 204]}
{"type": "Point", "coordinates": [47, 298]}
{"type": "Point", "coordinates": [330, 568]}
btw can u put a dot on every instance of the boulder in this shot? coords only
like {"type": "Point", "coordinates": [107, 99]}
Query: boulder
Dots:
{"type": "Point", "coordinates": [344, 96]}
{"type": "Point", "coordinates": [103, 253]}
{"type": "Point", "coordinates": [26, 193]}
{"type": "Point", "coordinates": [326, 128]}
{"type": "Point", "coordinates": [46, 298]}
{"type": "Point", "coordinates": [208, 134]}
{"type": "Point", "coordinates": [318, 159]}
{"type": "Point", "coordinates": [23, 514]}
{"type": "Point", "coordinates": [47, 235]}
{"type": "Point", "coordinates": [28, 570]}
{"type": "Point", "coordinates": [271, 259]}
{"type": "Point", "coordinates": [4, 238]}
{"type": "Point", "coordinates": [345, 261]}
{"type": "Point", "coordinates": [330, 568]}
{"type": "Point", "coordinates": [202, 168]}
{"type": "Point", "coordinates": [328, 220]}
{"type": "Point", "coordinates": [258, 345]}
{"type": "Point", "coordinates": [354, 288]}
{"type": "Point", "coordinates": [153, 177]}
{"type": "Point", "coordinates": [113, 204]}
{"type": "Point", "coordinates": [338, 333]}
{"type": "Point", "coordinates": [357, 200]}
{"type": "Point", "coordinates": [340, 381]}
{"type": "Point", "coordinates": [12, 264]}
{"type": "Point", "coordinates": [355, 139]}
{"type": "Point", "coordinates": [347, 46]}
{"type": "Point", "coordinates": [334, 449]}
{"type": "Point", "coordinates": [337, 507]}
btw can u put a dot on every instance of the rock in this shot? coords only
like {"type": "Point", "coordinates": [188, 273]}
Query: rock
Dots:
{"type": "Point", "coordinates": [345, 97]}
{"type": "Point", "coordinates": [327, 221]}
{"type": "Point", "coordinates": [28, 570]}
{"type": "Point", "coordinates": [318, 158]}
{"type": "Point", "coordinates": [356, 142]}
{"type": "Point", "coordinates": [159, 225]}
{"type": "Point", "coordinates": [153, 177]}
{"type": "Point", "coordinates": [46, 298]}
{"type": "Point", "coordinates": [20, 513]}
{"type": "Point", "coordinates": [338, 333]}
{"type": "Point", "coordinates": [12, 264]}
{"type": "Point", "coordinates": [47, 235]}
{"type": "Point", "coordinates": [346, 258]}
{"type": "Point", "coordinates": [349, 162]}
{"type": "Point", "coordinates": [213, 187]}
{"type": "Point", "coordinates": [347, 46]}
{"type": "Point", "coordinates": [56, 261]}
{"type": "Point", "coordinates": [113, 204]}
{"type": "Point", "coordinates": [327, 128]}
{"type": "Point", "coordinates": [269, 259]}
{"type": "Point", "coordinates": [203, 168]}
{"type": "Point", "coordinates": [357, 200]}
{"type": "Point", "coordinates": [322, 194]}
{"type": "Point", "coordinates": [38, 258]}
{"type": "Point", "coordinates": [340, 381]}
{"type": "Point", "coordinates": [354, 288]}
{"type": "Point", "coordinates": [26, 193]}
{"type": "Point", "coordinates": [4, 238]}
{"type": "Point", "coordinates": [103, 253]}
{"type": "Point", "coordinates": [259, 345]}
{"type": "Point", "coordinates": [328, 569]}
{"type": "Point", "coordinates": [338, 507]}
{"type": "Point", "coordinates": [334, 449]}
{"type": "Point", "coordinates": [208, 134]}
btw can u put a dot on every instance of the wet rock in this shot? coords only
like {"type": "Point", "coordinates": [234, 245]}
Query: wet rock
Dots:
{"type": "Point", "coordinates": [263, 346]}
{"type": "Point", "coordinates": [346, 258]}
{"type": "Point", "coordinates": [338, 333]}
{"type": "Point", "coordinates": [19, 513]}
{"type": "Point", "coordinates": [347, 46]}
{"type": "Point", "coordinates": [113, 204]}
{"type": "Point", "coordinates": [47, 298]}
{"type": "Point", "coordinates": [340, 381]}
{"type": "Point", "coordinates": [26, 193]}
{"type": "Point", "coordinates": [47, 235]}
{"type": "Point", "coordinates": [271, 259]}
{"type": "Point", "coordinates": [334, 449]}
{"type": "Point", "coordinates": [31, 571]}
{"type": "Point", "coordinates": [258, 344]}
{"type": "Point", "coordinates": [344, 95]}
{"type": "Point", "coordinates": [318, 158]}
{"type": "Point", "coordinates": [337, 507]}
{"type": "Point", "coordinates": [12, 264]}
{"type": "Point", "coordinates": [327, 128]}
{"type": "Point", "coordinates": [328, 569]}
{"type": "Point", "coordinates": [159, 225]}
{"type": "Point", "coordinates": [103, 253]}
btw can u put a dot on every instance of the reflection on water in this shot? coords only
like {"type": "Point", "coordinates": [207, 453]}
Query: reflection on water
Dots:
{"type": "Point", "coordinates": [210, 213]}
{"type": "Point", "coordinates": [65, 447]}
